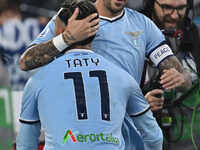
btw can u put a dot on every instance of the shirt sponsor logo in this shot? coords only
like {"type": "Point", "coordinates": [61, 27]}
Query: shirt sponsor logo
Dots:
{"type": "Point", "coordinates": [68, 135]}
{"type": "Point", "coordinates": [92, 137]}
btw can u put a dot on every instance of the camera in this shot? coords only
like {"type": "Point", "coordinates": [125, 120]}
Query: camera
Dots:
{"type": "Point", "coordinates": [174, 38]}
{"type": "Point", "coordinates": [165, 116]}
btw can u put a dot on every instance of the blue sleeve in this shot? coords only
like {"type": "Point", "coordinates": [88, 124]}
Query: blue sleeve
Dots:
{"type": "Point", "coordinates": [28, 136]}
{"type": "Point", "coordinates": [151, 133]}
{"type": "Point", "coordinates": [153, 41]}
{"type": "Point", "coordinates": [137, 103]}
{"type": "Point", "coordinates": [29, 112]}
{"type": "Point", "coordinates": [47, 34]}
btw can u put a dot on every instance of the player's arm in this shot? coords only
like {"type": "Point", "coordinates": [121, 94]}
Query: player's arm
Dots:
{"type": "Point", "coordinates": [139, 110]}
{"type": "Point", "coordinates": [28, 136]}
{"type": "Point", "coordinates": [38, 55]}
{"type": "Point", "coordinates": [174, 75]}
{"type": "Point", "coordinates": [77, 30]}
{"type": "Point", "coordinates": [150, 131]}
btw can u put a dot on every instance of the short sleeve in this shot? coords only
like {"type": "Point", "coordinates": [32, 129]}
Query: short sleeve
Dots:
{"type": "Point", "coordinates": [29, 112]}
{"type": "Point", "coordinates": [154, 36]}
{"type": "Point", "coordinates": [137, 104]}
{"type": "Point", "coordinates": [47, 34]}
{"type": "Point", "coordinates": [157, 49]}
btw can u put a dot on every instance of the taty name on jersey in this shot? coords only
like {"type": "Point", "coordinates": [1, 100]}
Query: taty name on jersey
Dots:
{"type": "Point", "coordinates": [83, 62]}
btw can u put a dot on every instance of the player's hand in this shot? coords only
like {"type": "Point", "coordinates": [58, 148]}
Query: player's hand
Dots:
{"type": "Point", "coordinates": [171, 79]}
{"type": "Point", "coordinates": [155, 99]}
{"type": "Point", "coordinates": [78, 30]}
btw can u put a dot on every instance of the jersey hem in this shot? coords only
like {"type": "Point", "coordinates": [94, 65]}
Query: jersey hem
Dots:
{"type": "Point", "coordinates": [29, 121]}
{"type": "Point", "coordinates": [141, 113]}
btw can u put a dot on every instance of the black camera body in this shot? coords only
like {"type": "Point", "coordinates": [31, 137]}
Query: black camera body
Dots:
{"type": "Point", "coordinates": [174, 38]}
{"type": "Point", "coordinates": [165, 116]}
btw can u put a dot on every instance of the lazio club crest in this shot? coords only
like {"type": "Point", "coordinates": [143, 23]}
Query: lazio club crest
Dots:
{"type": "Point", "coordinates": [134, 36]}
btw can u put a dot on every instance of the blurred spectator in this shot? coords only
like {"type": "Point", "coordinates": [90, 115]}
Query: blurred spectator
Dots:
{"type": "Point", "coordinates": [4, 77]}
{"type": "Point", "coordinates": [6, 116]}
{"type": "Point", "coordinates": [6, 120]}
{"type": "Point", "coordinates": [8, 11]}
{"type": "Point", "coordinates": [16, 33]}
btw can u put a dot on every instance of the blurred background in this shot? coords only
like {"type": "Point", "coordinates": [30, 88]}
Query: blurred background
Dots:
{"type": "Point", "coordinates": [20, 22]}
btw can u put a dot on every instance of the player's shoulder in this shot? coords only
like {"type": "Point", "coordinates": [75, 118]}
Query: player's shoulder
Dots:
{"type": "Point", "coordinates": [138, 18]}
{"type": "Point", "coordinates": [135, 14]}
{"type": "Point", "coordinates": [112, 67]}
{"type": "Point", "coordinates": [49, 27]}
{"type": "Point", "coordinates": [46, 34]}
{"type": "Point", "coordinates": [44, 70]}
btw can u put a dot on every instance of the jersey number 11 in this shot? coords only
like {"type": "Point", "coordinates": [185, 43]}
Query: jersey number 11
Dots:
{"type": "Point", "coordinates": [80, 93]}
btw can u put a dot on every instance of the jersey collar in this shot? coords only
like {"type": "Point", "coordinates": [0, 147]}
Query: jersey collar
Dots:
{"type": "Point", "coordinates": [79, 50]}
{"type": "Point", "coordinates": [114, 18]}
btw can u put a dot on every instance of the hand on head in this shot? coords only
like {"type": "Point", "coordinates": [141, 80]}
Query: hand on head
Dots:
{"type": "Point", "coordinates": [78, 30]}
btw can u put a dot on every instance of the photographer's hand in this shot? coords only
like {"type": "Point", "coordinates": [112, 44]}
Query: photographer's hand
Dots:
{"type": "Point", "coordinates": [171, 79]}
{"type": "Point", "coordinates": [155, 99]}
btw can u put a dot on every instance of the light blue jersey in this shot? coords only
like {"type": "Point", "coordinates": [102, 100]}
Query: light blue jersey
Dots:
{"type": "Point", "coordinates": [47, 33]}
{"type": "Point", "coordinates": [126, 41]}
{"type": "Point", "coordinates": [81, 99]}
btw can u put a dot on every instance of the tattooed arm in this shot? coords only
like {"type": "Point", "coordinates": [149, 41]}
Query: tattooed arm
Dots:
{"type": "Point", "coordinates": [38, 55]}
{"type": "Point", "coordinates": [43, 53]}
{"type": "Point", "coordinates": [77, 30]}
{"type": "Point", "coordinates": [174, 75]}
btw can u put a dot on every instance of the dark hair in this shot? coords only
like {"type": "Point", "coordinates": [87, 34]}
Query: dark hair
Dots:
{"type": "Point", "coordinates": [86, 8]}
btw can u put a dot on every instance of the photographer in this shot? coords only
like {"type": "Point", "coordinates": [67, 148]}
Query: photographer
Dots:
{"type": "Point", "coordinates": [170, 107]}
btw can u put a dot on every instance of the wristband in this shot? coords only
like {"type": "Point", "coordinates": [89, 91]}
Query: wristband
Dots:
{"type": "Point", "coordinates": [59, 43]}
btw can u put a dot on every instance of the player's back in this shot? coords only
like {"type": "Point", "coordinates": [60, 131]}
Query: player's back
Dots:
{"type": "Point", "coordinates": [82, 100]}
